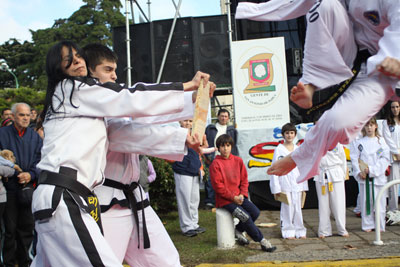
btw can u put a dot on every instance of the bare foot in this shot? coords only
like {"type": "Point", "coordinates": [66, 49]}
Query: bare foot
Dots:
{"type": "Point", "coordinates": [345, 235]}
{"type": "Point", "coordinates": [368, 230]}
{"type": "Point", "coordinates": [322, 236]}
{"type": "Point", "coordinates": [302, 95]}
{"type": "Point", "coordinates": [302, 237]}
{"type": "Point", "coordinates": [282, 166]}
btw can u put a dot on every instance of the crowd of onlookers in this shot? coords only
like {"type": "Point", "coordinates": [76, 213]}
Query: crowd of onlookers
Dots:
{"type": "Point", "coordinates": [21, 143]}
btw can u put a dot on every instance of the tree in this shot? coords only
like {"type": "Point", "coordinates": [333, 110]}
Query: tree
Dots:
{"type": "Point", "coordinates": [92, 22]}
{"type": "Point", "coordinates": [23, 94]}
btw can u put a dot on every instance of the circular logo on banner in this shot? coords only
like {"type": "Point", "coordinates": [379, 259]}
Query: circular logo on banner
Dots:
{"type": "Point", "coordinates": [261, 78]}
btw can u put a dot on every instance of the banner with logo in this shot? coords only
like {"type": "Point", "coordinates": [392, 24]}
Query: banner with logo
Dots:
{"type": "Point", "coordinates": [256, 148]}
{"type": "Point", "coordinates": [260, 83]}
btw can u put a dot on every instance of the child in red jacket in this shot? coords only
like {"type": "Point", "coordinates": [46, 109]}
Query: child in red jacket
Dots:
{"type": "Point", "coordinates": [231, 186]}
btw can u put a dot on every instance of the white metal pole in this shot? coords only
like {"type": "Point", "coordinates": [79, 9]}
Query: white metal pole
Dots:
{"type": "Point", "coordinates": [228, 13]}
{"type": "Point", "coordinates": [173, 1]}
{"type": "Point", "coordinates": [128, 45]}
{"type": "Point", "coordinates": [168, 42]}
{"type": "Point", "coordinates": [149, 9]}
{"type": "Point", "coordinates": [378, 240]}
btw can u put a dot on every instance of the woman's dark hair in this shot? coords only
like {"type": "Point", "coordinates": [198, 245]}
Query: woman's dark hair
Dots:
{"type": "Point", "coordinates": [55, 74]}
{"type": "Point", "coordinates": [288, 127]}
{"type": "Point", "coordinates": [224, 139]}
{"type": "Point", "coordinates": [390, 116]}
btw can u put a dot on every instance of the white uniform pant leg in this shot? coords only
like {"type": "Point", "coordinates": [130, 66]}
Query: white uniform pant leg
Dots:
{"type": "Point", "coordinates": [382, 204]}
{"type": "Point", "coordinates": [330, 37]}
{"type": "Point", "coordinates": [324, 212]}
{"type": "Point", "coordinates": [368, 221]}
{"type": "Point", "coordinates": [71, 237]}
{"type": "Point", "coordinates": [183, 190]}
{"type": "Point", "coordinates": [357, 208]}
{"type": "Point", "coordinates": [363, 99]}
{"type": "Point", "coordinates": [393, 191]}
{"type": "Point", "coordinates": [195, 201]}
{"type": "Point", "coordinates": [162, 251]}
{"type": "Point", "coordinates": [287, 228]}
{"type": "Point", "coordinates": [298, 215]}
{"type": "Point", "coordinates": [337, 199]}
{"type": "Point", "coordinates": [118, 230]}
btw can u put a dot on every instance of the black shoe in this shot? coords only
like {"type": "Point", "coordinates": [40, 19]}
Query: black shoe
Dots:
{"type": "Point", "coordinates": [266, 246]}
{"type": "Point", "coordinates": [200, 230]}
{"type": "Point", "coordinates": [241, 239]}
{"type": "Point", "coordinates": [190, 233]}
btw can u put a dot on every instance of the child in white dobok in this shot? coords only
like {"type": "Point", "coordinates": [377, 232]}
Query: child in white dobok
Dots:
{"type": "Point", "coordinates": [331, 192]}
{"type": "Point", "coordinates": [370, 159]}
{"type": "Point", "coordinates": [291, 215]}
{"type": "Point", "coordinates": [391, 133]}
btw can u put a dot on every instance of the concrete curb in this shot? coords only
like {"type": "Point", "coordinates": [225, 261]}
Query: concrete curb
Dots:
{"type": "Point", "coordinates": [381, 262]}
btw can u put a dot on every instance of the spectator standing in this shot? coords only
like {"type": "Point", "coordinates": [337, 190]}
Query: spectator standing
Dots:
{"type": "Point", "coordinates": [187, 189]}
{"type": "Point", "coordinates": [34, 117]}
{"type": "Point", "coordinates": [370, 173]}
{"type": "Point", "coordinates": [147, 174]}
{"type": "Point", "coordinates": [291, 215]}
{"type": "Point", "coordinates": [213, 131]}
{"type": "Point", "coordinates": [26, 145]}
{"type": "Point", "coordinates": [6, 114]}
{"type": "Point", "coordinates": [331, 192]}
{"type": "Point", "coordinates": [391, 133]}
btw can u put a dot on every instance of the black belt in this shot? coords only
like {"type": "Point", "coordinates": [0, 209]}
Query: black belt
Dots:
{"type": "Point", "coordinates": [361, 57]}
{"type": "Point", "coordinates": [133, 205]}
{"type": "Point", "coordinates": [66, 178]}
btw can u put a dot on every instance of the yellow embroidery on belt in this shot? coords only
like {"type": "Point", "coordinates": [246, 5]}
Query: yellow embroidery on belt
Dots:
{"type": "Point", "coordinates": [94, 213]}
{"type": "Point", "coordinates": [323, 188]}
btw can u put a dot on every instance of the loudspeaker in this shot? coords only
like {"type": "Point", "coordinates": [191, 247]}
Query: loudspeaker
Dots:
{"type": "Point", "coordinates": [142, 61]}
{"type": "Point", "coordinates": [179, 62]}
{"type": "Point", "coordinates": [199, 43]}
{"type": "Point", "coordinates": [211, 48]}
{"type": "Point", "coordinates": [294, 61]}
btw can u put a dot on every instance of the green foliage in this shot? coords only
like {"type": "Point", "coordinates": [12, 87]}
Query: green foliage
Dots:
{"type": "Point", "coordinates": [93, 22]}
{"type": "Point", "coordinates": [162, 190]}
{"type": "Point", "coordinates": [23, 94]}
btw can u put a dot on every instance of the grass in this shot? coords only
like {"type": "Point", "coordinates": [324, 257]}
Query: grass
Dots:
{"type": "Point", "coordinates": [203, 247]}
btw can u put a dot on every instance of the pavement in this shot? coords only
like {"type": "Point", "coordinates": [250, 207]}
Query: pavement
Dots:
{"type": "Point", "coordinates": [356, 250]}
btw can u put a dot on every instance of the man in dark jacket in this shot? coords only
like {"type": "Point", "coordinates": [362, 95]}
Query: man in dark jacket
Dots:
{"type": "Point", "coordinates": [26, 144]}
{"type": "Point", "coordinates": [213, 131]}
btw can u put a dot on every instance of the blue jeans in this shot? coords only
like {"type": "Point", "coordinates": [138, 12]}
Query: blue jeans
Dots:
{"type": "Point", "coordinates": [250, 209]}
{"type": "Point", "coordinates": [210, 193]}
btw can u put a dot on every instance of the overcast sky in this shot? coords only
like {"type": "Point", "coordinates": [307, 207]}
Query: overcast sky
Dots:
{"type": "Point", "coordinates": [18, 16]}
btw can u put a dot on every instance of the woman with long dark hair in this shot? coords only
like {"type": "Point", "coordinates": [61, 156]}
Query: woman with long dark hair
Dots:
{"type": "Point", "coordinates": [391, 133]}
{"type": "Point", "coordinates": [74, 153]}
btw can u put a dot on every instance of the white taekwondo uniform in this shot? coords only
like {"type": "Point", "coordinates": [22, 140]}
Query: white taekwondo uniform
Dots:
{"type": "Point", "coordinates": [376, 28]}
{"type": "Point", "coordinates": [331, 191]}
{"type": "Point", "coordinates": [328, 37]}
{"type": "Point", "coordinates": [375, 153]}
{"type": "Point", "coordinates": [391, 133]}
{"type": "Point", "coordinates": [74, 149]}
{"type": "Point", "coordinates": [291, 215]}
{"type": "Point", "coordinates": [120, 230]}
